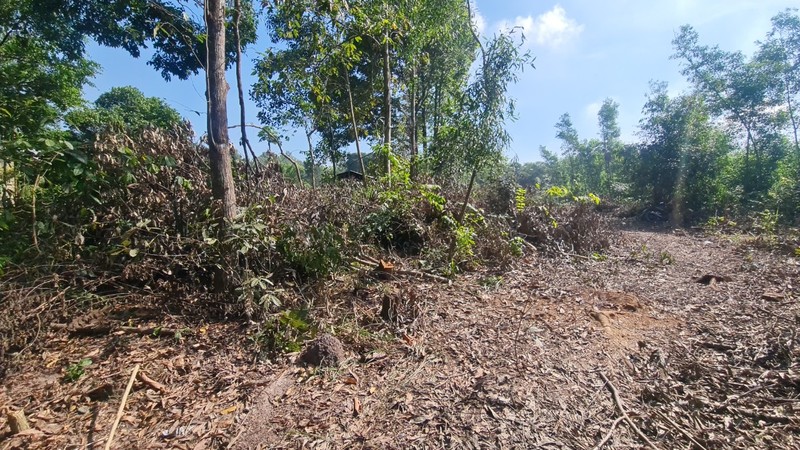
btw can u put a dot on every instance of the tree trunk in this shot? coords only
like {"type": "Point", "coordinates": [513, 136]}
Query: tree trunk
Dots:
{"type": "Point", "coordinates": [436, 112]}
{"type": "Point", "coordinates": [332, 150]}
{"type": "Point", "coordinates": [412, 128]}
{"type": "Point", "coordinates": [462, 213]}
{"type": "Point", "coordinates": [311, 159]}
{"type": "Point", "coordinates": [240, 88]}
{"type": "Point", "coordinates": [792, 117]}
{"type": "Point", "coordinates": [355, 126]}
{"type": "Point", "coordinates": [217, 91]}
{"type": "Point", "coordinates": [387, 105]}
{"type": "Point", "coordinates": [424, 123]}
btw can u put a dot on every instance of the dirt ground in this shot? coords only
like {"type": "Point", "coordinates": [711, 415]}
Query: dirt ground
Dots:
{"type": "Point", "coordinates": [669, 340]}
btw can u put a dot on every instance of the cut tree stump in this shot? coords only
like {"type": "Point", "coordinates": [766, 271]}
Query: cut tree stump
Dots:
{"type": "Point", "coordinates": [18, 422]}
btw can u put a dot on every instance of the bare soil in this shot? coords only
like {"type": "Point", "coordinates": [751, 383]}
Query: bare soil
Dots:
{"type": "Point", "coordinates": [636, 348]}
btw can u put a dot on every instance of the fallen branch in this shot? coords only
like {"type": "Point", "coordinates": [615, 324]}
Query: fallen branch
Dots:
{"type": "Point", "coordinates": [422, 274]}
{"type": "Point", "coordinates": [623, 412]}
{"type": "Point", "coordinates": [369, 262]}
{"type": "Point", "coordinates": [121, 409]}
{"type": "Point", "coordinates": [610, 432]}
{"type": "Point", "coordinates": [151, 382]}
{"type": "Point", "coordinates": [681, 430]}
{"type": "Point", "coordinates": [108, 329]}
{"type": "Point", "coordinates": [367, 258]}
{"type": "Point", "coordinates": [366, 262]}
{"type": "Point", "coordinates": [152, 331]}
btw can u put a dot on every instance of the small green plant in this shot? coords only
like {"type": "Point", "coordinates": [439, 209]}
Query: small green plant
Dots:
{"type": "Point", "coordinates": [719, 224]}
{"type": "Point", "coordinates": [451, 269]}
{"type": "Point", "coordinates": [666, 258]}
{"type": "Point", "coordinates": [76, 370]}
{"type": "Point", "coordinates": [558, 192]}
{"type": "Point", "coordinates": [593, 198]}
{"type": "Point", "coordinates": [516, 245]}
{"type": "Point", "coordinates": [519, 199]}
{"type": "Point", "coordinates": [562, 192]}
{"type": "Point", "coordinates": [766, 222]}
{"type": "Point", "coordinates": [491, 282]}
{"type": "Point", "coordinates": [4, 262]}
{"type": "Point", "coordinates": [465, 241]}
{"type": "Point", "coordinates": [314, 254]}
{"type": "Point", "coordinates": [599, 256]}
{"type": "Point", "coordinates": [180, 332]}
{"type": "Point", "coordinates": [432, 194]}
{"type": "Point", "coordinates": [257, 292]}
{"type": "Point", "coordinates": [643, 252]}
{"type": "Point", "coordinates": [284, 333]}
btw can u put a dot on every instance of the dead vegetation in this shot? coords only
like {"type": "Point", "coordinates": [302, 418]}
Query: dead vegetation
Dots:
{"type": "Point", "coordinates": [555, 331]}
{"type": "Point", "coordinates": [525, 358]}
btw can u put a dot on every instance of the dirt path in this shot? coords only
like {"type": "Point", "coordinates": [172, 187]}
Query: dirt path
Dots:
{"type": "Point", "coordinates": [521, 365]}
{"type": "Point", "coordinates": [515, 360]}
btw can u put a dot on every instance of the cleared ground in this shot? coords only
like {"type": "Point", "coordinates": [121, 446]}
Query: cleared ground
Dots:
{"type": "Point", "coordinates": [670, 340]}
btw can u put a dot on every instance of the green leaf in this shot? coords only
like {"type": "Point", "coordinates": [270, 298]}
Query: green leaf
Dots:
{"type": "Point", "coordinates": [78, 155]}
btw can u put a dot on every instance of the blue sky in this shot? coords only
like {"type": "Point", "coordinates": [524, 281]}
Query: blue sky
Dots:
{"type": "Point", "coordinates": [586, 50]}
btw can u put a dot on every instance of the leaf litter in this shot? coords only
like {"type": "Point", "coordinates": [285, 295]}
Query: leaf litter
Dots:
{"type": "Point", "coordinates": [622, 351]}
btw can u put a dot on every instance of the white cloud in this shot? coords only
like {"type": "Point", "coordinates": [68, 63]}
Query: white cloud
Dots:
{"type": "Point", "coordinates": [477, 18]}
{"type": "Point", "coordinates": [592, 109]}
{"type": "Point", "coordinates": [480, 22]}
{"type": "Point", "coordinates": [550, 29]}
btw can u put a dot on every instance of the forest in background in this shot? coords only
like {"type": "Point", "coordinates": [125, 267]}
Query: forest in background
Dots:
{"type": "Point", "coordinates": [725, 149]}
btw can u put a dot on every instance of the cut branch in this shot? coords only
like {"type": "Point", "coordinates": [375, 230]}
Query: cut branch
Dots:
{"type": "Point", "coordinates": [121, 409]}
{"type": "Point", "coordinates": [623, 413]}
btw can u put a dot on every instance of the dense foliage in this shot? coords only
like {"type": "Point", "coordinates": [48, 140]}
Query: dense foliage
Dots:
{"type": "Point", "coordinates": [728, 147]}
{"type": "Point", "coordinates": [119, 194]}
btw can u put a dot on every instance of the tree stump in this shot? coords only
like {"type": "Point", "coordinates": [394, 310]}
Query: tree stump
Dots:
{"type": "Point", "coordinates": [17, 421]}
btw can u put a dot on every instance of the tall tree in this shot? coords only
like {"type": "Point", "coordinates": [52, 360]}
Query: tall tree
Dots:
{"type": "Point", "coordinates": [434, 55]}
{"type": "Point", "coordinates": [780, 53]}
{"type": "Point", "coordinates": [737, 90]}
{"type": "Point", "coordinates": [681, 154]}
{"type": "Point", "coordinates": [479, 130]}
{"type": "Point", "coordinates": [570, 144]}
{"type": "Point", "coordinates": [124, 109]}
{"type": "Point", "coordinates": [309, 83]}
{"type": "Point", "coordinates": [181, 48]}
{"type": "Point", "coordinates": [42, 70]}
{"type": "Point", "coordinates": [387, 92]}
{"type": "Point", "coordinates": [219, 146]}
{"type": "Point", "coordinates": [609, 137]}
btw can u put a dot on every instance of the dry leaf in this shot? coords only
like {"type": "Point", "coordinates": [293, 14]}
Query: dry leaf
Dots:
{"type": "Point", "coordinates": [356, 407]}
{"type": "Point", "coordinates": [773, 296]}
